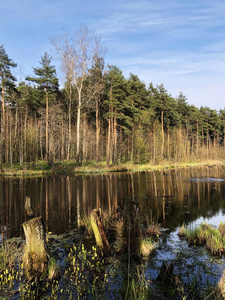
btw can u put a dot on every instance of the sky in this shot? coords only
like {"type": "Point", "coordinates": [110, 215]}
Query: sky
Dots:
{"type": "Point", "coordinates": [178, 43]}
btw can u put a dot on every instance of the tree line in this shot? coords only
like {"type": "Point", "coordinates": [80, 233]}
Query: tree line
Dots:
{"type": "Point", "coordinates": [98, 114]}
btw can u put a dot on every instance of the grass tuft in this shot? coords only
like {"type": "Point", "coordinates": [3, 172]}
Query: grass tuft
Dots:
{"type": "Point", "coordinates": [207, 235]}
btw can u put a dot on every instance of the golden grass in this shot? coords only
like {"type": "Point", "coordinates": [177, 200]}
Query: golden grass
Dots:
{"type": "Point", "coordinates": [69, 167]}
{"type": "Point", "coordinates": [146, 247]}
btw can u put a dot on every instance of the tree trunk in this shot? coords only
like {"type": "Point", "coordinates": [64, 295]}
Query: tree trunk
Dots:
{"type": "Point", "coordinates": [97, 129]}
{"type": "Point", "coordinates": [25, 134]}
{"type": "Point", "coordinates": [162, 150]}
{"type": "Point", "coordinates": [6, 137]}
{"type": "Point", "coordinates": [36, 137]}
{"type": "Point", "coordinates": [108, 140]}
{"type": "Point", "coordinates": [21, 145]}
{"type": "Point", "coordinates": [115, 139]}
{"type": "Point", "coordinates": [78, 128]}
{"type": "Point", "coordinates": [10, 139]}
{"type": "Point", "coordinates": [69, 122]}
{"type": "Point", "coordinates": [154, 144]}
{"type": "Point", "coordinates": [63, 140]}
{"type": "Point", "coordinates": [2, 125]}
{"type": "Point", "coordinates": [46, 130]}
{"type": "Point", "coordinates": [41, 148]}
{"type": "Point", "coordinates": [85, 138]}
{"type": "Point", "coordinates": [132, 146]}
{"type": "Point", "coordinates": [168, 145]}
{"type": "Point", "coordinates": [197, 146]}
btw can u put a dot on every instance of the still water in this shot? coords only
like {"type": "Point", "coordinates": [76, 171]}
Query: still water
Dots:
{"type": "Point", "coordinates": [169, 197]}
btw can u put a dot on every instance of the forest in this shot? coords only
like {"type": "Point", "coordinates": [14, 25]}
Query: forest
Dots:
{"type": "Point", "coordinates": [97, 114]}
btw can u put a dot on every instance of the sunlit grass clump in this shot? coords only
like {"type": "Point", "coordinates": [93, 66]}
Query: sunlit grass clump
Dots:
{"type": "Point", "coordinates": [212, 238]}
{"type": "Point", "coordinates": [147, 246]}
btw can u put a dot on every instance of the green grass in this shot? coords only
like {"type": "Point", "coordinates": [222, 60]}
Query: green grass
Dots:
{"type": "Point", "coordinates": [212, 238]}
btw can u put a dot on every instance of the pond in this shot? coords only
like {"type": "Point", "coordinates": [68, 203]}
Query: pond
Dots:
{"type": "Point", "coordinates": [170, 197]}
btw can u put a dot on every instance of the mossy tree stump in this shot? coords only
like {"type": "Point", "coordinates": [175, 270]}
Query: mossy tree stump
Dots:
{"type": "Point", "coordinates": [35, 253]}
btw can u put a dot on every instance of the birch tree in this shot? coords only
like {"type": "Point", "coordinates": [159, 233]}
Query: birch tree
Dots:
{"type": "Point", "coordinates": [77, 52]}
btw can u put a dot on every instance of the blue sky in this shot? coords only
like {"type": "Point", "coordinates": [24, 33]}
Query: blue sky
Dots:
{"type": "Point", "coordinates": [175, 42]}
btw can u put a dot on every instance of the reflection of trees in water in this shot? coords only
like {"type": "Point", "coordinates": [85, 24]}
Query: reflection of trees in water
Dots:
{"type": "Point", "coordinates": [164, 196]}
{"type": "Point", "coordinates": [46, 205]}
{"type": "Point", "coordinates": [69, 200]}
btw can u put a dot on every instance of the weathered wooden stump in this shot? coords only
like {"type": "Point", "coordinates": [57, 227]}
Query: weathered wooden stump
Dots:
{"type": "Point", "coordinates": [35, 253]}
{"type": "Point", "coordinates": [98, 229]}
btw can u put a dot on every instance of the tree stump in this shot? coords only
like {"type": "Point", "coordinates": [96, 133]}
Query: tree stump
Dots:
{"type": "Point", "coordinates": [99, 232]}
{"type": "Point", "coordinates": [35, 256]}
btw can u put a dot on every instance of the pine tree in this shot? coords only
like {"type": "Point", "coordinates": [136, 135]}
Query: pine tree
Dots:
{"type": "Point", "coordinates": [7, 83]}
{"type": "Point", "coordinates": [136, 104]}
{"type": "Point", "coordinates": [48, 82]}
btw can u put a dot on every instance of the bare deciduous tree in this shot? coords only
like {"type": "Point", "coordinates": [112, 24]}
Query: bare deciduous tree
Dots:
{"type": "Point", "coordinates": [78, 52]}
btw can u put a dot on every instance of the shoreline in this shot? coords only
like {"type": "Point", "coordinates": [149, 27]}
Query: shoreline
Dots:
{"type": "Point", "coordinates": [70, 168]}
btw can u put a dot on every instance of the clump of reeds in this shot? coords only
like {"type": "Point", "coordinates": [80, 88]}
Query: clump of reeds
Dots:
{"type": "Point", "coordinates": [207, 235]}
{"type": "Point", "coordinates": [182, 231]}
{"type": "Point", "coordinates": [10, 256]}
{"type": "Point", "coordinates": [192, 235]}
{"type": "Point", "coordinates": [10, 252]}
{"type": "Point", "coordinates": [85, 225]}
{"type": "Point", "coordinates": [222, 228]}
{"type": "Point", "coordinates": [153, 230]}
{"type": "Point", "coordinates": [221, 287]}
{"type": "Point", "coordinates": [138, 287]}
{"type": "Point", "coordinates": [117, 226]}
{"type": "Point", "coordinates": [146, 247]}
{"type": "Point", "coordinates": [53, 271]}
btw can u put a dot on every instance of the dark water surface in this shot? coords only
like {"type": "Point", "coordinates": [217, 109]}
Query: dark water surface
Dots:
{"type": "Point", "coordinates": [169, 197]}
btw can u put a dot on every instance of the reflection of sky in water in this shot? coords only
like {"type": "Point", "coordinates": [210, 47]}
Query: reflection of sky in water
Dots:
{"type": "Point", "coordinates": [189, 261]}
{"type": "Point", "coordinates": [207, 179]}
{"type": "Point", "coordinates": [214, 220]}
